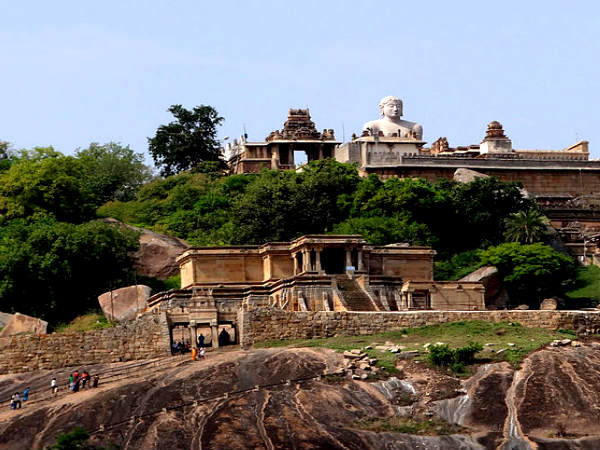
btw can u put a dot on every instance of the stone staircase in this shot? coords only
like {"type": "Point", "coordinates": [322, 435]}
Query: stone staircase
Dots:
{"type": "Point", "coordinates": [353, 296]}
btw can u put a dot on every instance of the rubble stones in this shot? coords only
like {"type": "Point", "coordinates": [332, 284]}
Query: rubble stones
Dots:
{"type": "Point", "coordinates": [408, 354]}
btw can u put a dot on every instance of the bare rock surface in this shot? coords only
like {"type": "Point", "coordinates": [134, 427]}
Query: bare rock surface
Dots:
{"type": "Point", "coordinates": [463, 175]}
{"type": "Point", "coordinates": [244, 399]}
{"type": "Point", "coordinates": [496, 295]}
{"type": "Point", "coordinates": [4, 318]}
{"type": "Point", "coordinates": [157, 254]}
{"type": "Point", "coordinates": [21, 323]}
{"type": "Point", "coordinates": [123, 304]}
{"type": "Point", "coordinates": [549, 304]}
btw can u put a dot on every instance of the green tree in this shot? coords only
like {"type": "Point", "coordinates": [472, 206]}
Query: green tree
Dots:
{"type": "Point", "coordinates": [188, 141]}
{"type": "Point", "coordinates": [531, 272]}
{"type": "Point", "coordinates": [385, 230]}
{"type": "Point", "coordinates": [56, 270]}
{"type": "Point", "coordinates": [481, 207]}
{"type": "Point", "coordinates": [112, 171]}
{"type": "Point", "coordinates": [526, 227]}
{"type": "Point", "coordinates": [6, 155]}
{"type": "Point", "coordinates": [74, 440]}
{"type": "Point", "coordinates": [52, 185]}
{"type": "Point", "coordinates": [282, 205]}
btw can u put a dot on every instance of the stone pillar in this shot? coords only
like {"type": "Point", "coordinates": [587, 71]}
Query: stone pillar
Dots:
{"type": "Point", "coordinates": [214, 328]}
{"type": "Point", "coordinates": [320, 151]}
{"type": "Point", "coordinates": [306, 259]}
{"type": "Point", "coordinates": [193, 334]}
{"type": "Point", "coordinates": [275, 156]}
{"type": "Point", "coordinates": [361, 266]}
{"type": "Point", "coordinates": [348, 257]}
{"type": "Point", "coordinates": [318, 260]}
{"type": "Point", "coordinates": [409, 299]}
{"type": "Point", "coordinates": [295, 258]}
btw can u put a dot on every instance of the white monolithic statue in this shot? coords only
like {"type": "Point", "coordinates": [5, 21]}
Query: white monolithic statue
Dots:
{"type": "Point", "coordinates": [391, 125]}
{"type": "Point", "coordinates": [384, 142]}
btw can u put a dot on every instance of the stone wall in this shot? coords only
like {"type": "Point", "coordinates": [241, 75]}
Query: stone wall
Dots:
{"type": "Point", "coordinates": [147, 337]}
{"type": "Point", "coordinates": [263, 324]}
{"type": "Point", "coordinates": [538, 179]}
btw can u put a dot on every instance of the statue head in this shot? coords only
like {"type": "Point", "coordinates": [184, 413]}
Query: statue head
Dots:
{"type": "Point", "coordinates": [391, 106]}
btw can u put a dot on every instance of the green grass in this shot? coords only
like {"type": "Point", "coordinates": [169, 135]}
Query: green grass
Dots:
{"type": "Point", "coordinates": [409, 425]}
{"type": "Point", "coordinates": [587, 284]}
{"type": "Point", "coordinates": [87, 322]}
{"type": "Point", "coordinates": [455, 334]}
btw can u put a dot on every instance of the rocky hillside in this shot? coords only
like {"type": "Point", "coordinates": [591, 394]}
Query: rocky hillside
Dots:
{"type": "Point", "coordinates": [242, 400]}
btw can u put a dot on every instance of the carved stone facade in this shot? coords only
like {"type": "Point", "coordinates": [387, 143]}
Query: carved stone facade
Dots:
{"type": "Point", "coordinates": [299, 133]}
{"type": "Point", "coordinates": [311, 273]}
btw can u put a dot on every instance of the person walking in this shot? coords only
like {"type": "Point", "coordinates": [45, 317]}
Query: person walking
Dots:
{"type": "Point", "coordinates": [17, 400]}
{"type": "Point", "coordinates": [194, 353]}
{"type": "Point", "coordinates": [54, 386]}
{"type": "Point", "coordinates": [95, 381]}
{"type": "Point", "coordinates": [26, 394]}
{"type": "Point", "coordinates": [84, 378]}
{"type": "Point", "coordinates": [71, 383]}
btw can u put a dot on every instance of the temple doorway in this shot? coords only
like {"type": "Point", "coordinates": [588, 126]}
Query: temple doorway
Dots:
{"type": "Point", "coordinates": [333, 260]}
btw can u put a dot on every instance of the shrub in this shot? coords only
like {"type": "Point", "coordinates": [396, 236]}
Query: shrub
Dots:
{"type": "Point", "coordinates": [457, 360]}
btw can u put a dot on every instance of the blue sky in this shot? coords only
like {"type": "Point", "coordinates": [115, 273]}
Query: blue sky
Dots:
{"type": "Point", "coordinates": [74, 73]}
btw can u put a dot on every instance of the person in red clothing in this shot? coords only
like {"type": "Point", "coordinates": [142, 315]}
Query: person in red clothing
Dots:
{"type": "Point", "coordinates": [85, 377]}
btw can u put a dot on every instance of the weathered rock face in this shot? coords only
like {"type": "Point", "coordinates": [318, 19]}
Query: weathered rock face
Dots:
{"type": "Point", "coordinates": [496, 295]}
{"type": "Point", "coordinates": [549, 304]}
{"type": "Point", "coordinates": [125, 303]}
{"type": "Point", "coordinates": [549, 403]}
{"type": "Point", "coordinates": [308, 413]}
{"type": "Point", "coordinates": [157, 253]}
{"type": "Point", "coordinates": [463, 175]}
{"type": "Point", "coordinates": [21, 323]}
{"type": "Point", "coordinates": [4, 318]}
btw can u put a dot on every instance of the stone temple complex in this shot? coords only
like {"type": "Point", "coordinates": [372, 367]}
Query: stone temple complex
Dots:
{"type": "Point", "coordinates": [320, 273]}
{"type": "Point", "coordinates": [311, 273]}
{"type": "Point", "coordinates": [565, 182]}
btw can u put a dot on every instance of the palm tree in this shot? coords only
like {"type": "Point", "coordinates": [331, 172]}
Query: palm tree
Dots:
{"type": "Point", "coordinates": [526, 227]}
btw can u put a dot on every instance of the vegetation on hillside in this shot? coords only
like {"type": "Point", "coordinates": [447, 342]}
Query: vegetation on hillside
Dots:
{"type": "Point", "coordinates": [495, 337]}
{"type": "Point", "coordinates": [586, 287]}
{"type": "Point", "coordinates": [56, 257]}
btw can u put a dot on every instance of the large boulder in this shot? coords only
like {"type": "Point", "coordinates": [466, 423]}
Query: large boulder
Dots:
{"type": "Point", "coordinates": [549, 304]}
{"type": "Point", "coordinates": [463, 175]}
{"type": "Point", "coordinates": [157, 254]}
{"type": "Point", "coordinates": [496, 296]}
{"type": "Point", "coordinates": [125, 303]}
{"type": "Point", "coordinates": [4, 318]}
{"type": "Point", "coordinates": [23, 324]}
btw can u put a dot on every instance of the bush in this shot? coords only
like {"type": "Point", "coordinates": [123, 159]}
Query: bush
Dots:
{"type": "Point", "coordinates": [457, 360]}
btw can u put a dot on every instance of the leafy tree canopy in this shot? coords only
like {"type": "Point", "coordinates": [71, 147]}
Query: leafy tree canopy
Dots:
{"type": "Point", "coordinates": [47, 183]}
{"type": "Point", "coordinates": [526, 227]}
{"type": "Point", "coordinates": [187, 141]}
{"type": "Point", "coordinates": [113, 171]}
{"type": "Point", "coordinates": [56, 270]}
{"type": "Point", "coordinates": [531, 272]}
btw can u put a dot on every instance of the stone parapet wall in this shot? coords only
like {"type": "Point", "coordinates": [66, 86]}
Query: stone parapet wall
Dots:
{"type": "Point", "coordinates": [263, 324]}
{"type": "Point", "coordinates": [147, 337]}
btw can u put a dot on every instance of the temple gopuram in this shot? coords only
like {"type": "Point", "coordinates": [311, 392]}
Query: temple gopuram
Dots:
{"type": "Point", "coordinates": [299, 133]}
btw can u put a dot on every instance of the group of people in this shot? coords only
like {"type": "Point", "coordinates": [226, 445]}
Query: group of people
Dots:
{"type": "Point", "coordinates": [15, 399]}
{"type": "Point", "coordinates": [77, 381]}
{"type": "Point", "coordinates": [185, 347]}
